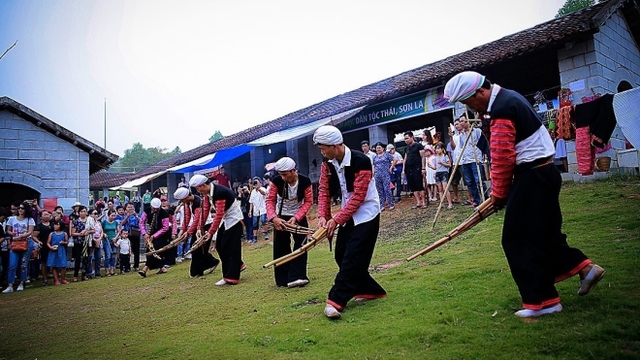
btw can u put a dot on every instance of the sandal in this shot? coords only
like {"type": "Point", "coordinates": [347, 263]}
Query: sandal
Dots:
{"type": "Point", "coordinates": [75, 279]}
{"type": "Point", "coordinates": [466, 202]}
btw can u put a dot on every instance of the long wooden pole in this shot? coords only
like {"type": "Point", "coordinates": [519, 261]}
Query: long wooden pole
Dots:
{"type": "Point", "coordinates": [481, 212]}
{"type": "Point", "coordinates": [315, 239]}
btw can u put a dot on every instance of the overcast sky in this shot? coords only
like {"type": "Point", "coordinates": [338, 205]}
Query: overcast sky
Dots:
{"type": "Point", "coordinates": [174, 72]}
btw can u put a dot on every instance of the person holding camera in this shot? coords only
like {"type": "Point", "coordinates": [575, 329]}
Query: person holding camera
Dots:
{"type": "Point", "coordinates": [243, 197]}
{"type": "Point", "coordinates": [258, 209]}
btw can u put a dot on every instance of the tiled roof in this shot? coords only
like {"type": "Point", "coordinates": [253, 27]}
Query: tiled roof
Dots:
{"type": "Point", "coordinates": [103, 179]}
{"type": "Point", "coordinates": [552, 33]}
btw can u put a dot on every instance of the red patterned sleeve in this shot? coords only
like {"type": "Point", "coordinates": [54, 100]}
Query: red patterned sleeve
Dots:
{"type": "Point", "coordinates": [306, 204]}
{"type": "Point", "coordinates": [205, 209]}
{"type": "Point", "coordinates": [218, 218]}
{"type": "Point", "coordinates": [503, 156]}
{"type": "Point", "coordinates": [174, 226]}
{"type": "Point", "coordinates": [272, 198]}
{"type": "Point", "coordinates": [324, 197]}
{"type": "Point", "coordinates": [187, 218]}
{"type": "Point", "coordinates": [360, 188]}
{"type": "Point", "coordinates": [196, 222]}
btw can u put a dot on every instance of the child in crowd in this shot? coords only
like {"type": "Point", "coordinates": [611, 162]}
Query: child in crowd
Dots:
{"type": "Point", "coordinates": [120, 214]}
{"type": "Point", "coordinates": [430, 174]}
{"type": "Point", "coordinates": [443, 163]}
{"type": "Point", "coordinates": [57, 258]}
{"type": "Point", "coordinates": [124, 245]}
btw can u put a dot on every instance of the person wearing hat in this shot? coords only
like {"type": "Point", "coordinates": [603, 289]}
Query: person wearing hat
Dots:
{"type": "Point", "coordinates": [155, 231]}
{"type": "Point", "coordinates": [348, 172]}
{"type": "Point", "coordinates": [526, 182]}
{"type": "Point", "coordinates": [74, 211]}
{"type": "Point", "coordinates": [201, 259]}
{"type": "Point", "coordinates": [289, 199]}
{"type": "Point", "coordinates": [227, 226]}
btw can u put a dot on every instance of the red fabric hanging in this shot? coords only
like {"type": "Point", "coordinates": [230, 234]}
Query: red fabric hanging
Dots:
{"type": "Point", "coordinates": [585, 153]}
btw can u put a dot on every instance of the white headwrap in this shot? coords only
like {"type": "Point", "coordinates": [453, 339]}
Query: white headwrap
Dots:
{"type": "Point", "coordinates": [389, 147]}
{"type": "Point", "coordinates": [197, 180]}
{"type": "Point", "coordinates": [462, 86]}
{"type": "Point", "coordinates": [285, 164]}
{"type": "Point", "coordinates": [181, 193]}
{"type": "Point", "coordinates": [327, 135]}
{"type": "Point", "coordinates": [156, 203]}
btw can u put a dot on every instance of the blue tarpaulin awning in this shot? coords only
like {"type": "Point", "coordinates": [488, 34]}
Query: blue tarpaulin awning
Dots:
{"type": "Point", "coordinates": [212, 160]}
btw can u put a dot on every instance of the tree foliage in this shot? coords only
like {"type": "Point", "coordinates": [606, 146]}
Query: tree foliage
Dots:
{"type": "Point", "coordinates": [216, 136]}
{"type": "Point", "coordinates": [138, 158]}
{"type": "Point", "coordinates": [573, 6]}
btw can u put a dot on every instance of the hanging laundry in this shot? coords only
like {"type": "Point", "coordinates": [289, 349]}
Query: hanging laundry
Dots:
{"type": "Point", "coordinates": [585, 153]}
{"type": "Point", "coordinates": [598, 115]}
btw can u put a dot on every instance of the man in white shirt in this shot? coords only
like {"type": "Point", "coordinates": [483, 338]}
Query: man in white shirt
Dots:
{"type": "Point", "coordinates": [258, 208]}
{"type": "Point", "coordinates": [471, 160]}
{"type": "Point", "coordinates": [348, 172]}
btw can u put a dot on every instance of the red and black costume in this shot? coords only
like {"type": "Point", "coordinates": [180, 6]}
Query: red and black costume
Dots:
{"type": "Point", "coordinates": [228, 226]}
{"type": "Point", "coordinates": [359, 219]}
{"type": "Point", "coordinates": [522, 172]}
{"type": "Point", "coordinates": [201, 259]}
{"type": "Point", "coordinates": [279, 190]}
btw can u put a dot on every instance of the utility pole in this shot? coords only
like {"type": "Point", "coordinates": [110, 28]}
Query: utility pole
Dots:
{"type": "Point", "coordinates": [105, 123]}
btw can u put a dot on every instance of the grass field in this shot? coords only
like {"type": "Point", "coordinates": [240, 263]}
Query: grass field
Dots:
{"type": "Point", "coordinates": [454, 303]}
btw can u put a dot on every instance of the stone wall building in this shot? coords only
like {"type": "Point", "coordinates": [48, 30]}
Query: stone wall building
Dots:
{"type": "Point", "coordinates": [42, 160]}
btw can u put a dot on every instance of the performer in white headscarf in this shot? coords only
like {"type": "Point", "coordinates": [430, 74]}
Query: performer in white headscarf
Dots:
{"type": "Point", "coordinates": [226, 225]}
{"type": "Point", "coordinates": [359, 219]}
{"type": "Point", "coordinates": [525, 180]}
{"type": "Point", "coordinates": [155, 230]}
{"type": "Point", "coordinates": [289, 199]}
{"type": "Point", "coordinates": [202, 260]}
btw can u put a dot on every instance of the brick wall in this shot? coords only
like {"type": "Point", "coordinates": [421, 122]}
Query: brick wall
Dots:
{"type": "Point", "coordinates": [35, 158]}
{"type": "Point", "coordinates": [600, 63]}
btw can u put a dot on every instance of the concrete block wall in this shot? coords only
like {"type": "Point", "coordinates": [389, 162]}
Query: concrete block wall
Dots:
{"type": "Point", "coordinates": [610, 57]}
{"type": "Point", "coordinates": [35, 158]}
{"type": "Point", "coordinates": [602, 62]}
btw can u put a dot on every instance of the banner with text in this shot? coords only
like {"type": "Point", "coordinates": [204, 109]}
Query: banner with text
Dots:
{"type": "Point", "coordinates": [420, 103]}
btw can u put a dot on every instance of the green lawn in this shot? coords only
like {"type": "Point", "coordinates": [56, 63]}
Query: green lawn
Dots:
{"type": "Point", "coordinates": [454, 303]}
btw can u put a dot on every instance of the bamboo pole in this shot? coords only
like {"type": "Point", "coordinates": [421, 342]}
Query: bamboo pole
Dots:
{"type": "Point", "coordinates": [315, 239]}
{"type": "Point", "coordinates": [480, 213]}
{"type": "Point", "coordinates": [171, 245]}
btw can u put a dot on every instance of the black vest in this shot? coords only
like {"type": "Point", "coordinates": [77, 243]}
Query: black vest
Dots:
{"type": "Point", "coordinates": [359, 161]}
{"type": "Point", "coordinates": [513, 106]}
{"type": "Point", "coordinates": [303, 183]}
{"type": "Point", "coordinates": [221, 192]}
